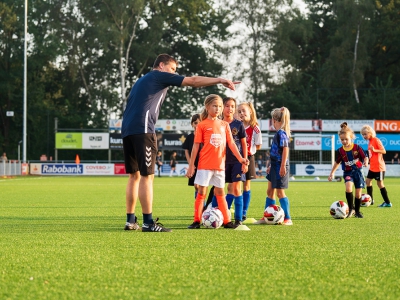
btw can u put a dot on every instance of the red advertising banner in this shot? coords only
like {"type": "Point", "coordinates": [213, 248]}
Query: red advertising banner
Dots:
{"type": "Point", "coordinates": [119, 169]}
{"type": "Point", "coordinates": [387, 125]}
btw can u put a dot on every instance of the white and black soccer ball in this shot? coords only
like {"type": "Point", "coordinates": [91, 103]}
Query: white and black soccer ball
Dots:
{"type": "Point", "coordinates": [366, 200]}
{"type": "Point", "coordinates": [212, 218]}
{"type": "Point", "coordinates": [339, 209]}
{"type": "Point", "coordinates": [274, 215]}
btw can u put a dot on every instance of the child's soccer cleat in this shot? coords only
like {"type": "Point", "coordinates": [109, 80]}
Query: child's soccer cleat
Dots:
{"type": "Point", "coordinates": [287, 222]}
{"type": "Point", "coordinates": [384, 204]}
{"type": "Point", "coordinates": [358, 215]}
{"type": "Point", "coordinates": [238, 223]}
{"type": "Point", "coordinates": [155, 227]}
{"type": "Point", "coordinates": [351, 213]}
{"type": "Point", "coordinates": [261, 221]}
{"type": "Point", "coordinates": [230, 225]}
{"type": "Point", "coordinates": [194, 225]}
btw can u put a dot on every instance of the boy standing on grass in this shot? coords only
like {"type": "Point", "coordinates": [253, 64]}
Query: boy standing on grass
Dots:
{"type": "Point", "coordinates": [139, 137]}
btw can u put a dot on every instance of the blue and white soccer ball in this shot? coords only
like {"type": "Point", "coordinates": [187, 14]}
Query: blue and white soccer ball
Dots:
{"type": "Point", "coordinates": [339, 209]}
{"type": "Point", "coordinates": [212, 218]}
{"type": "Point", "coordinates": [274, 215]}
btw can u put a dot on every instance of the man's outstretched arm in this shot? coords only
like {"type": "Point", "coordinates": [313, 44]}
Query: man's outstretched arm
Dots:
{"type": "Point", "coordinates": [201, 81]}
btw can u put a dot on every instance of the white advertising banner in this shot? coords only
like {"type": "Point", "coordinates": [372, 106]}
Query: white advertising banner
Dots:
{"type": "Point", "coordinates": [265, 141]}
{"type": "Point", "coordinates": [35, 169]}
{"type": "Point", "coordinates": [307, 143]}
{"type": "Point", "coordinates": [334, 125]}
{"type": "Point", "coordinates": [94, 140]}
{"type": "Point", "coordinates": [316, 170]}
{"type": "Point", "coordinates": [98, 169]}
{"type": "Point", "coordinates": [174, 124]}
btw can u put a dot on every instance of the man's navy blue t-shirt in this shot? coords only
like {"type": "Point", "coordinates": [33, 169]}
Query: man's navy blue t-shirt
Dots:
{"type": "Point", "coordinates": [145, 100]}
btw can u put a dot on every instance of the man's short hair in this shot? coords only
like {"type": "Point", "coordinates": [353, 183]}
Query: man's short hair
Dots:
{"type": "Point", "coordinates": [164, 58]}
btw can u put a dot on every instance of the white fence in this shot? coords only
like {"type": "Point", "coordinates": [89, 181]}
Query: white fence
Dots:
{"type": "Point", "coordinates": [10, 168]}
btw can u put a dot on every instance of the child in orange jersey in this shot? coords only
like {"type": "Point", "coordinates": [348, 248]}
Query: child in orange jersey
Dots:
{"type": "Point", "coordinates": [248, 116]}
{"type": "Point", "coordinates": [377, 165]}
{"type": "Point", "coordinates": [215, 135]}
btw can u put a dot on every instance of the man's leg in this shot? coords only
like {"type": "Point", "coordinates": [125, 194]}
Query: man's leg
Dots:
{"type": "Point", "coordinates": [146, 201]}
{"type": "Point", "coordinates": [131, 198]}
{"type": "Point", "coordinates": [146, 193]}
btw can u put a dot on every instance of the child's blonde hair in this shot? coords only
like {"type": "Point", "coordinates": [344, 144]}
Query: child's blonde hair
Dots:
{"type": "Point", "coordinates": [368, 129]}
{"type": "Point", "coordinates": [209, 99]}
{"type": "Point", "coordinates": [344, 129]}
{"type": "Point", "coordinates": [282, 115]}
{"type": "Point", "coordinates": [253, 118]}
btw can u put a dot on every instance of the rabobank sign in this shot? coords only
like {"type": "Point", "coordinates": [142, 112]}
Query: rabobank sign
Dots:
{"type": "Point", "coordinates": [62, 169]}
{"type": "Point", "coordinates": [310, 169]}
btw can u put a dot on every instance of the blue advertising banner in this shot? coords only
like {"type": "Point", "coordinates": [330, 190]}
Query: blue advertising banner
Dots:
{"type": "Point", "coordinates": [391, 142]}
{"type": "Point", "coordinates": [62, 169]}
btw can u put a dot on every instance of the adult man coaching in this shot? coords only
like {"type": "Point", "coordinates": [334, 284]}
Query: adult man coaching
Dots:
{"type": "Point", "coordinates": [139, 138]}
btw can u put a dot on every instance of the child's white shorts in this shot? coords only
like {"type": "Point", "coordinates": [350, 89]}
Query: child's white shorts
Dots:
{"type": "Point", "coordinates": [210, 177]}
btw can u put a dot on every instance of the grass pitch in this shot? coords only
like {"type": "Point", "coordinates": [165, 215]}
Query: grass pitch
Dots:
{"type": "Point", "coordinates": [63, 238]}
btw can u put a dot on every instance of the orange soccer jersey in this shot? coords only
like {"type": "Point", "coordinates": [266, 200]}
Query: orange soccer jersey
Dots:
{"type": "Point", "coordinates": [376, 162]}
{"type": "Point", "coordinates": [214, 135]}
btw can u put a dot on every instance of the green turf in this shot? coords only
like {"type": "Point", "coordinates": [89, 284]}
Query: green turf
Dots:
{"type": "Point", "coordinates": [62, 238]}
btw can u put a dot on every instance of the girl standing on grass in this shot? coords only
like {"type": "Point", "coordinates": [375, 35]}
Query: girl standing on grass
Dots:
{"type": "Point", "coordinates": [278, 170]}
{"type": "Point", "coordinates": [377, 165]}
{"type": "Point", "coordinates": [187, 146]}
{"type": "Point", "coordinates": [215, 135]}
{"type": "Point", "coordinates": [352, 157]}
{"type": "Point", "coordinates": [248, 116]}
{"type": "Point", "coordinates": [234, 174]}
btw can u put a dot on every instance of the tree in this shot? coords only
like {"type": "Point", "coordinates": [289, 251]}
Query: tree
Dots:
{"type": "Point", "coordinates": [258, 18]}
{"type": "Point", "coordinates": [328, 55]}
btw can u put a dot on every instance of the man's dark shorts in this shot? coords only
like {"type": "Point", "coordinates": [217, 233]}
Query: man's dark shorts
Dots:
{"type": "Point", "coordinates": [140, 152]}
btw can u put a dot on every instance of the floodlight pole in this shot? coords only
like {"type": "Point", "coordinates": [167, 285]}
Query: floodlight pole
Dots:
{"type": "Point", "coordinates": [24, 133]}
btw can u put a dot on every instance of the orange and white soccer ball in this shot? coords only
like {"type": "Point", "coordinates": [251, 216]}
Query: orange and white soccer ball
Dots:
{"type": "Point", "coordinates": [366, 200]}
{"type": "Point", "coordinates": [339, 209]}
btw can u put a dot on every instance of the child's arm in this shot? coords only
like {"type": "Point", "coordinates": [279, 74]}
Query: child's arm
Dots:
{"type": "Point", "coordinates": [373, 149]}
{"type": "Point", "coordinates": [285, 155]}
{"type": "Point", "coordinates": [191, 168]}
{"type": "Point", "coordinates": [235, 151]}
{"type": "Point", "coordinates": [187, 155]}
{"type": "Point", "coordinates": [244, 147]}
{"type": "Point", "coordinates": [334, 168]}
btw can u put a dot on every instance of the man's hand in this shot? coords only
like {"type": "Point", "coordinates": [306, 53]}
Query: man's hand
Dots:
{"type": "Point", "coordinates": [229, 84]}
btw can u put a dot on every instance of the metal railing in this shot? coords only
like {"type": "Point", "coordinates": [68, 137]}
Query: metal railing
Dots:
{"type": "Point", "coordinates": [10, 168]}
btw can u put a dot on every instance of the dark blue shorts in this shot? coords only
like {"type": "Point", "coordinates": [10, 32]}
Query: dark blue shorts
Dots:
{"type": "Point", "coordinates": [356, 177]}
{"type": "Point", "coordinates": [276, 180]}
{"type": "Point", "coordinates": [233, 173]}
